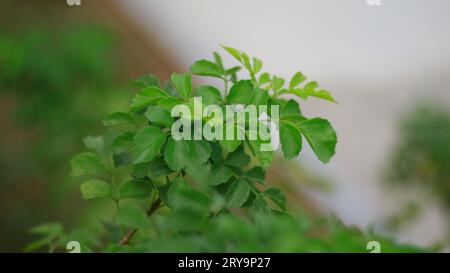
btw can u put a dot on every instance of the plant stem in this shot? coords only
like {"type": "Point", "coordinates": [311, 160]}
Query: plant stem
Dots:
{"type": "Point", "coordinates": [114, 185]}
{"type": "Point", "coordinates": [126, 239]}
{"type": "Point", "coordinates": [225, 81]}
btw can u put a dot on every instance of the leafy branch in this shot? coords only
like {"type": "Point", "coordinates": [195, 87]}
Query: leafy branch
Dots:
{"type": "Point", "coordinates": [196, 184]}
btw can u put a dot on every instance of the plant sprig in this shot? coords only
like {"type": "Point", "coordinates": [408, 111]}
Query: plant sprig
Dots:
{"type": "Point", "coordinates": [192, 188]}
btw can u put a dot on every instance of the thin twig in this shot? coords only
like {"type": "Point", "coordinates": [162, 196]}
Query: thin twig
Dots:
{"type": "Point", "coordinates": [126, 239]}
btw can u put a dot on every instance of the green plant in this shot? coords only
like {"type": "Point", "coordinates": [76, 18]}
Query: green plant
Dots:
{"type": "Point", "coordinates": [203, 195]}
{"type": "Point", "coordinates": [422, 155]}
{"type": "Point", "coordinates": [420, 161]}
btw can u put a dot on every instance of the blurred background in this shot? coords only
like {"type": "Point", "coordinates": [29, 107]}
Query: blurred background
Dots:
{"type": "Point", "coordinates": [63, 68]}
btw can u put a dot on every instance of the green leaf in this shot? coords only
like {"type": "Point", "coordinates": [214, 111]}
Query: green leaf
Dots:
{"type": "Point", "coordinates": [183, 83]}
{"type": "Point", "coordinates": [257, 65]}
{"type": "Point", "coordinates": [210, 94]}
{"type": "Point", "coordinates": [175, 154]}
{"type": "Point", "coordinates": [260, 206]}
{"type": "Point", "coordinates": [147, 144]}
{"type": "Point", "coordinates": [264, 78]}
{"type": "Point", "coordinates": [233, 52]}
{"type": "Point", "coordinates": [229, 145]}
{"type": "Point", "coordinates": [291, 140]}
{"type": "Point", "coordinates": [238, 158]}
{"type": "Point", "coordinates": [310, 91]}
{"type": "Point", "coordinates": [264, 157]}
{"type": "Point", "coordinates": [123, 143]}
{"type": "Point", "coordinates": [241, 92]}
{"type": "Point", "coordinates": [259, 97]}
{"type": "Point", "coordinates": [185, 198]}
{"type": "Point", "coordinates": [192, 156]}
{"type": "Point", "coordinates": [163, 193]}
{"type": "Point", "coordinates": [167, 191]}
{"type": "Point", "coordinates": [147, 81]}
{"type": "Point", "coordinates": [277, 196]}
{"type": "Point", "coordinates": [148, 96]}
{"type": "Point", "coordinates": [277, 83]}
{"type": "Point", "coordinates": [140, 171]}
{"type": "Point", "coordinates": [321, 137]}
{"type": "Point", "coordinates": [158, 167]}
{"type": "Point", "coordinates": [246, 62]}
{"type": "Point", "coordinates": [181, 153]}
{"type": "Point", "coordinates": [297, 79]}
{"type": "Point", "coordinates": [294, 118]}
{"type": "Point", "coordinates": [216, 152]}
{"type": "Point", "coordinates": [201, 173]}
{"type": "Point", "coordinates": [219, 62]}
{"type": "Point", "coordinates": [237, 194]}
{"type": "Point", "coordinates": [132, 216]}
{"type": "Point", "coordinates": [291, 107]}
{"type": "Point", "coordinates": [323, 94]}
{"type": "Point", "coordinates": [50, 230]}
{"type": "Point", "coordinates": [206, 68]}
{"type": "Point", "coordinates": [118, 118]}
{"type": "Point", "coordinates": [169, 87]}
{"type": "Point", "coordinates": [201, 150]}
{"type": "Point", "coordinates": [232, 70]}
{"type": "Point", "coordinates": [257, 173]}
{"type": "Point", "coordinates": [233, 78]}
{"type": "Point", "coordinates": [300, 93]}
{"type": "Point", "coordinates": [311, 86]}
{"type": "Point", "coordinates": [169, 103]}
{"type": "Point", "coordinates": [87, 163]}
{"type": "Point", "coordinates": [219, 174]}
{"type": "Point", "coordinates": [135, 189]}
{"type": "Point", "coordinates": [122, 159]}
{"type": "Point", "coordinates": [159, 116]}
{"type": "Point", "coordinates": [36, 245]}
{"type": "Point", "coordinates": [96, 143]}
{"type": "Point", "coordinates": [95, 188]}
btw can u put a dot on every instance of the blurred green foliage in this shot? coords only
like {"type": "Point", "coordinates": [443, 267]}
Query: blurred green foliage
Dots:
{"type": "Point", "coordinates": [228, 233]}
{"type": "Point", "coordinates": [422, 157]}
{"type": "Point", "coordinates": [51, 80]}
{"type": "Point", "coordinates": [421, 161]}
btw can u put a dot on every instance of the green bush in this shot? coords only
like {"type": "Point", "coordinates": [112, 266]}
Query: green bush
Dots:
{"type": "Point", "coordinates": [199, 195]}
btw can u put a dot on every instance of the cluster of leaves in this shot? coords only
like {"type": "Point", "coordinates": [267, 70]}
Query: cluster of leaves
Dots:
{"type": "Point", "coordinates": [264, 89]}
{"type": "Point", "coordinates": [143, 141]}
{"type": "Point", "coordinates": [203, 195]}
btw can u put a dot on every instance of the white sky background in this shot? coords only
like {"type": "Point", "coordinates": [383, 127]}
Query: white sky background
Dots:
{"type": "Point", "coordinates": [375, 60]}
